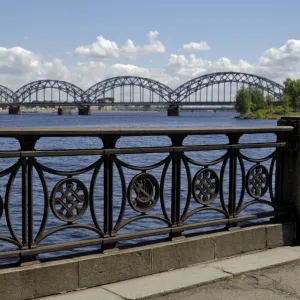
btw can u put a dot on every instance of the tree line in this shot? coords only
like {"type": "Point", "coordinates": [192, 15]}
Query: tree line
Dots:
{"type": "Point", "coordinates": [251, 98]}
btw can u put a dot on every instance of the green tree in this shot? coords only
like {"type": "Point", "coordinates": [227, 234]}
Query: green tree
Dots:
{"type": "Point", "coordinates": [286, 104]}
{"type": "Point", "coordinates": [257, 98]}
{"type": "Point", "coordinates": [292, 93]}
{"type": "Point", "coordinates": [243, 101]}
{"type": "Point", "coordinates": [269, 100]}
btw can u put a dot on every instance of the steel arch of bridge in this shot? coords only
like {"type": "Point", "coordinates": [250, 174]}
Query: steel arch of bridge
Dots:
{"type": "Point", "coordinates": [100, 89]}
{"type": "Point", "coordinates": [33, 87]}
{"type": "Point", "coordinates": [6, 94]}
{"type": "Point", "coordinates": [185, 90]}
{"type": "Point", "coordinates": [165, 93]}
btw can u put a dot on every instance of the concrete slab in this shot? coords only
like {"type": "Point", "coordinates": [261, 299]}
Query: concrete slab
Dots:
{"type": "Point", "coordinates": [182, 253]}
{"type": "Point", "coordinates": [90, 294]}
{"type": "Point", "coordinates": [166, 282]}
{"type": "Point", "coordinates": [251, 286]}
{"type": "Point", "coordinates": [216, 293]}
{"type": "Point", "coordinates": [99, 269]}
{"type": "Point", "coordinates": [256, 261]}
{"type": "Point", "coordinates": [47, 279]}
{"type": "Point", "coordinates": [280, 235]}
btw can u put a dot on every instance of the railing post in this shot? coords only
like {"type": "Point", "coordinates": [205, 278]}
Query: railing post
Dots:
{"type": "Point", "coordinates": [108, 143]}
{"type": "Point", "coordinates": [25, 226]}
{"type": "Point", "coordinates": [281, 156]}
{"type": "Point", "coordinates": [27, 144]}
{"type": "Point", "coordinates": [288, 172]}
{"type": "Point", "coordinates": [177, 140]}
{"type": "Point", "coordinates": [233, 139]}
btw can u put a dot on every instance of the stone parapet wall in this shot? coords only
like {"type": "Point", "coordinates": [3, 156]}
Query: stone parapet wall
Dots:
{"type": "Point", "coordinates": [49, 278]}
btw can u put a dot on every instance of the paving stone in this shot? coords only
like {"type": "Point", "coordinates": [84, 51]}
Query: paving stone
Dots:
{"type": "Point", "coordinates": [89, 294]}
{"type": "Point", "coordinates": [256, 261]}
{"type": "Point", "coordinates": [166, 282]}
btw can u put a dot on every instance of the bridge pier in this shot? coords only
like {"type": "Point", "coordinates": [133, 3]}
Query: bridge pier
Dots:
{"type": "Point", "coordinates": [14, 110]}
{"type": "Point", "coordinates": [84, 111]}
{"type": "Point", "coordinates": [64, 111]}
{"type": "Point", "coordinates": [147, 107]}
{"type": "Point", "coordinates": [173, 111]}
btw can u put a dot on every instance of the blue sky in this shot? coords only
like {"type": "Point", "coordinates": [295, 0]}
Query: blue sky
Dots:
{"type": "Point", "coordinates": [236, 30]}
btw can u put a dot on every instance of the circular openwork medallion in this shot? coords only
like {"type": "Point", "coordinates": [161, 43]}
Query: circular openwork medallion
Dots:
{"type": "Point", "coordinates": [257, 181]}
{"type": "Point", "coordinates": [143, 192]}
{"type": "Point", "coordinates": [205, 186]}
{"type": "Point", "coordinates": [69, 199]}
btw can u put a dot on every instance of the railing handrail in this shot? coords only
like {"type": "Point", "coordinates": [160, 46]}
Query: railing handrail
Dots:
{"type": "Point", "coordinates": [146, 131]}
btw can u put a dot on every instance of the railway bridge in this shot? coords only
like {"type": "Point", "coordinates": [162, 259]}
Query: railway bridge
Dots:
{"type": "Point", "coordinates": [210, 90]}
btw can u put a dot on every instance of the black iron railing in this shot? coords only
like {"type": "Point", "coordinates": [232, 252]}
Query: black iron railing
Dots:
{"type": "Point", "coordinates": [182, 191]}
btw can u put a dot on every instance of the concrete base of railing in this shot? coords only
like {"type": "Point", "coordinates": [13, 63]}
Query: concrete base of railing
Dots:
{"type": "Point", "coordinates": [94, 270]}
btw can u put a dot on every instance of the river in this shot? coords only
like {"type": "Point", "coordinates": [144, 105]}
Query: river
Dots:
{"type": "Point", "coordinates": [112, 119]}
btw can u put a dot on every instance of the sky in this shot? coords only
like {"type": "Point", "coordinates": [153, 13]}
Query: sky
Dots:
{"type": "Point", "coordinates": [172, 41]}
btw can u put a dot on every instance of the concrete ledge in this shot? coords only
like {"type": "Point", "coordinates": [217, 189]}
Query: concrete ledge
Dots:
{"type": "Point", "coordinates": [106, 268]}
{"type": "Point", "coordinates": [38, 280]}
{"type": "Point", "coordinates": [280, 235]}
{"type": "Point", "coordinates": [182, 253]}
{"type": "Point", "coordinates": [101, 269]}
{"type": "Point", "coordinates": [240, 241]}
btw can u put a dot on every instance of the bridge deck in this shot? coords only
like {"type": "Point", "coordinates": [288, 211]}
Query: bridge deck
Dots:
{"type": "Point", "coordinates": [78, 104]}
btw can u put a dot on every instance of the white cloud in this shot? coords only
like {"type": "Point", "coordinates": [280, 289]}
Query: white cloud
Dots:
{"type": "Point", "coordinates": [186, 66]}
{"type": "Point", "coordinates": [283, 61]}
{"type": "Point", "coordinates": [289, 52]}
{"type": "Point", "coordinates": [128, 69]}
{"type": "Point", "coordinates": [193, 47]}
{"type": "Point", "coordinates": [19, 66]}
{"type": "Point", "coordinates": [103, 48]}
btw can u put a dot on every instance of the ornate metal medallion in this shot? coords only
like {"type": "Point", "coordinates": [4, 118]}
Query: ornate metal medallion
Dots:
{"type": "Point", "coordinates": [69, 199]}
{"type": "Point", "coordinates": [257, 181]}
{"type": "Point", "coordinates": [205, 186]}
{"type": "Point", "coordinates": [143, 192]}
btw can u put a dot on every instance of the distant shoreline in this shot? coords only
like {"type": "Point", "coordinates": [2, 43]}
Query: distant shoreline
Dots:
{"type": "Point", "coordinates": [272, 113]}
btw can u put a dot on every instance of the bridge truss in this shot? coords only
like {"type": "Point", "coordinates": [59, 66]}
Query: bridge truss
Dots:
{"type": "Point", "coordinates": [6, 95]}
{"type": "Point", "coordinates": [136, 90]}
{"type": "Point", "coordinates": [44, 90]}
{"type": "Point", "coordinates": [230, 81]}
{"type": "Point", "coordinates": [210, 89]}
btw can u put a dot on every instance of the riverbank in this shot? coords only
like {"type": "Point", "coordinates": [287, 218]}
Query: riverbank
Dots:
{"type": "Point", "coordinates": [271, 113]}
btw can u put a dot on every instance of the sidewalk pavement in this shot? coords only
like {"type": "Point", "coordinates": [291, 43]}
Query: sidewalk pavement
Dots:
{"type": "Point", "coordinates": [271, 274]}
